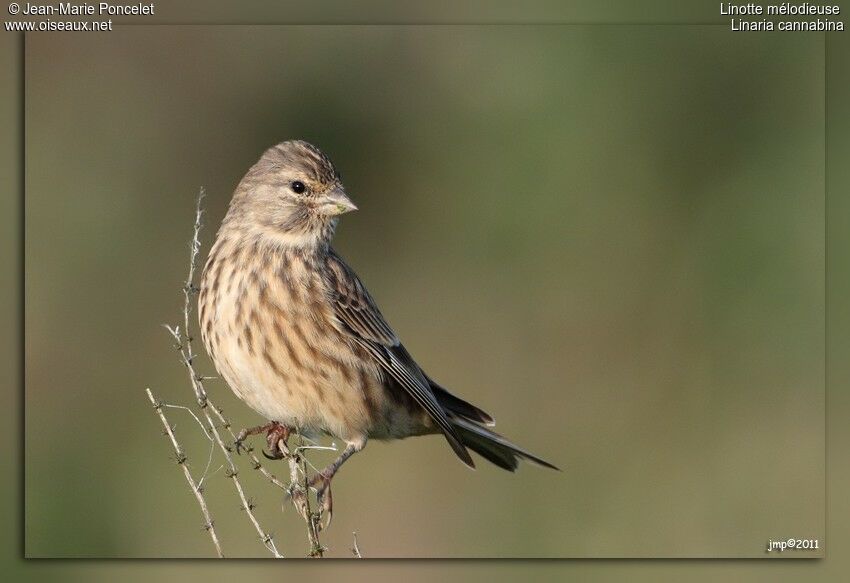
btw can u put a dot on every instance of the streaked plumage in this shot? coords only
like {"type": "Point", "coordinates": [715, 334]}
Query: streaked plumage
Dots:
{"type": "Point", "coordinates": [295, 333]}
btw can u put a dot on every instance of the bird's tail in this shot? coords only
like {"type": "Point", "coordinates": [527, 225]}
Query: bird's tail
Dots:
{"type": "Point", "coordinates": [492, 446]}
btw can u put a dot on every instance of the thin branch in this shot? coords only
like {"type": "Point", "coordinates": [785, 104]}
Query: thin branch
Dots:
{"type": "Point", "coordinates": [355, 550]}
{"type": "Point", "coordinates": [209, 525]}
{"type": "Point", "coordinates": [294, 489]}
{"type": "Point", "coordinates": [184, 347]}
{"type": "Point", "coordinates": [207, 468]}
{"type": "Point", "coordinates": [192, 413]}
{"type": "Point", "coordinates": [233, 474]}
{"type": "Point", "coordinates": [300, 496]}
{"type": "Point", "coordinates": [206, 434]}
{"type": "Point", "coordinates": [189, 290]}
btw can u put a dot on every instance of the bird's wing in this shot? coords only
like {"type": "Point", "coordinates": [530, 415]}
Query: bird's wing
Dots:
{"type": "Point", "coordinates": [362, 320]}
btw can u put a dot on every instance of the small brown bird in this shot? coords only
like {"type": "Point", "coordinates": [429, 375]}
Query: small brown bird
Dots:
{"type": "Point", "coordinates": [295, 334]}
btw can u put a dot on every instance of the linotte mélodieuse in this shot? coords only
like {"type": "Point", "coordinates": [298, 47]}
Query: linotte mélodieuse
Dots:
{"type": "Point", "coordinates": [784, 9]}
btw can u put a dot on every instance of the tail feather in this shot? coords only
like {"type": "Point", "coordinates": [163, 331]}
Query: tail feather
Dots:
{"type": "Point", "coordinates": [493, 447]}
{"type": "Point", "coordinates": [458, 406]}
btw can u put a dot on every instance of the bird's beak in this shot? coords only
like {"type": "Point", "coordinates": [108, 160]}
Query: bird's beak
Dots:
{"type": "Point", "coordinates": [335, 202]}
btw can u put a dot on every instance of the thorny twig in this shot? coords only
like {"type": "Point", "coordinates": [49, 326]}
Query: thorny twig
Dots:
{"type": "Point", "coordinates": [189, 290]}
{"type": "Point", "coordinates": [247, 505]}
{"type": "Point", "coordinates": [299, 492]}
{"type": "Point", "coordinates": [187, 356]}
{"type": "Point", "coordinates": [355, 550]}
{"type": "Point", "coordinates": [209, 525]}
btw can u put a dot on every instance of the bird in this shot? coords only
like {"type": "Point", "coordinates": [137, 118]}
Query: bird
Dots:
{"type": "Point", "coordinates": [297, 336]}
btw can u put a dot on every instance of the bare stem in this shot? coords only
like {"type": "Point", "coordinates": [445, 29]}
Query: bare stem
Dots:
{"type": "Point", "coordinates": [233, 474]}
{"type": "Point", "coordinates": [300, 495]}
{"type": "Point", "coordinates": [189, 290]}
{"type": "Point", "coordinates": [209, 525]}
{"type": "Point", "coordinates": [355, 550]}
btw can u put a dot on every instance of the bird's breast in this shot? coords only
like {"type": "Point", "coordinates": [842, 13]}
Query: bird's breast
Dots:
{"type": "Point", "coordinates": [268, 323]}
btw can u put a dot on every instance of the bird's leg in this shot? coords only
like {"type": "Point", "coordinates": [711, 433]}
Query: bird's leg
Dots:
{"type": "Point", "coordinates": [272, 427]}
{"type": "Point", "coordinates": [322, 480]}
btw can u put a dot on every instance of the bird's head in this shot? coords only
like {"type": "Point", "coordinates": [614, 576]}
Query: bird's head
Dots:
{"type": "Point", "coordinates": [293, 194]}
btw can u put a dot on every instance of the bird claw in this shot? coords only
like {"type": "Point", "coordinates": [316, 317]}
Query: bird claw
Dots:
{"type": "Point", "coordinates": [277, 434]}
{"type": "Point", "coordinates": [325, 500]}
{"type": "Point", "coordinates": [276, 454]}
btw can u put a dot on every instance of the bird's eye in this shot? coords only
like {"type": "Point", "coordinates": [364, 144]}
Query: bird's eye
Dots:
{"type": "Point", "coordinates": [298, 187]}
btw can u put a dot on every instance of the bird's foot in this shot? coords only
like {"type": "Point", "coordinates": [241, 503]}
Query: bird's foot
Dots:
{"type": "Point", "coordinates": [324, 497]}
{"type": "Point", "coordinates": [277, 434]}
{"type": "Point", "coordinates": [298, 496]}
{"type": "Point", "coordinates": [321, 482]}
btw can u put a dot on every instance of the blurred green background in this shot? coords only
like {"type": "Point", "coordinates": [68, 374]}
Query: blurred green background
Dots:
{"type": "Point", "coordinates": [612, 238]}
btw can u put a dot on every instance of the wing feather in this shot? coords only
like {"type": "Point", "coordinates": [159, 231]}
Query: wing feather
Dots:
{"type": "Point", "coordinates": [356, 309]}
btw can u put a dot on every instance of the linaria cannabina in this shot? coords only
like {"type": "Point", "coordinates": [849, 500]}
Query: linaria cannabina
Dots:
{"type": "Point", "coordinates": [296, 335]}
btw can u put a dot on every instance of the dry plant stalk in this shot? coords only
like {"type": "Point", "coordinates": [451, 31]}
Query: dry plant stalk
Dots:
{"type": "Point", "coordinates": [181, 459]}
{"type": "Point", "coordinates": [355, 550]}
{"type": "Point", "coordinates": [212, 419]}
